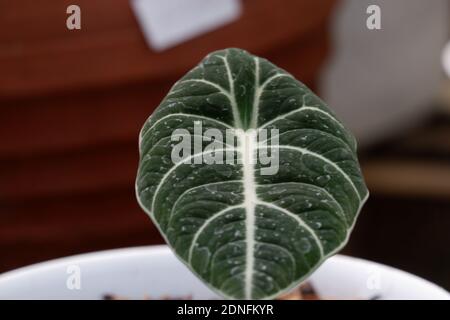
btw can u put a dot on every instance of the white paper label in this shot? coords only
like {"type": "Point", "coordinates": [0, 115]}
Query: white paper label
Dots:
{"type": "Point", "coordinates": [166, 23]}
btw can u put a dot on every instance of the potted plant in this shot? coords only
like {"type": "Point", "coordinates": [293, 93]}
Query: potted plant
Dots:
{"type": "Point", "coordinates": [248, 175]}
{"type": "Point", "coordinates": [253, 182]}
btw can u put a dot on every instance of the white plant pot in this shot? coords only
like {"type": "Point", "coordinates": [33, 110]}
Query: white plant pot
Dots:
{"type": "Point", "coordinates": [155, 272]}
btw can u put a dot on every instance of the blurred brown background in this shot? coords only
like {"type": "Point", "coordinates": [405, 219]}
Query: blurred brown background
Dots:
{"type": "Point", "coordinates": [72, 104]}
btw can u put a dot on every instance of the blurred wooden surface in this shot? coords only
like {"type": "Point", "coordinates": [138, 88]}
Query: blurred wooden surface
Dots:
{"type": "Point", "coordinates": [72, 104]}
{"type": "Point", "coordinates": [416, 164]}
{"type": "Point", "coordinates": [406, 220]}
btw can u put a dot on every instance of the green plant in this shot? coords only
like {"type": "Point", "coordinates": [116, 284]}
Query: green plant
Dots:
{"type": "Point", "coordinates": [245, 233]}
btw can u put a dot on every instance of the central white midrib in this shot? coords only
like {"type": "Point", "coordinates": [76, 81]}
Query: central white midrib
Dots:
{"type": "Point", "coordinates": [247, 142]}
